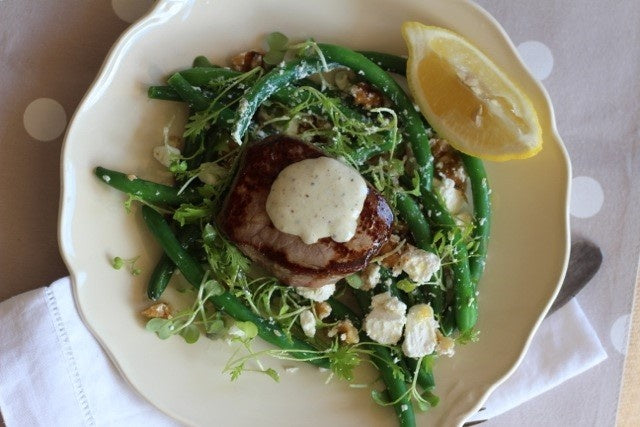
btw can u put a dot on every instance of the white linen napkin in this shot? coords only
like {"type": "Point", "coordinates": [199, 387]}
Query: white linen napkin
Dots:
{"type": "Point", "coordinates": [54, 373]}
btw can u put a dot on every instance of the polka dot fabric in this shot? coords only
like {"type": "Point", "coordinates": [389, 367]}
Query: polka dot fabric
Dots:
{"type": "Point", "coordinates": [44, 119]}
{"type": "Point", "coordinates": [588, 59]}
{"type": "Point", "coordinates": [131, 10]}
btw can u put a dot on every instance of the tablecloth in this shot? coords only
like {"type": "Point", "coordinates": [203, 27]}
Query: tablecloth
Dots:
{"type": "Point", "coordinates": [587, 54]}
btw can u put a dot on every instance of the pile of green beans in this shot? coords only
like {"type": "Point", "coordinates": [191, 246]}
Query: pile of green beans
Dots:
{"type": "Point", "coordinates": [423, 215]}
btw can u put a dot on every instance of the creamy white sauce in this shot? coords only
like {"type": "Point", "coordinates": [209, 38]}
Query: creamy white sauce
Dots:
{"type": "Point", "coordinates": [317, 198]}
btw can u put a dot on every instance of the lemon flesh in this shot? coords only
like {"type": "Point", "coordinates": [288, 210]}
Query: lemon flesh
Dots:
{"type": "Point", "coordinates": [466, 98]}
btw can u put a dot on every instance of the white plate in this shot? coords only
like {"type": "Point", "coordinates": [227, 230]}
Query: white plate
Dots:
{"type": "Point", "coordinates": [116, 126]}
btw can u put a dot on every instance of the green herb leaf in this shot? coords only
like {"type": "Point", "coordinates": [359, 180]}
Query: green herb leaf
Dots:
{"type": "Point", "coordinates": [380, 397]}
{"type": "Point", "coordinates": [215, 327]}
{"type": "Point", "coordinates": [273, 374]}
{"type": "Point", "coordinates": [273, 57]}
{"type": "Point", "coordinates": [154, 325]}
{"type": "Point", "coordinates": [249, 328]}
{"type": "Point", "coordinates": [213, 288]}
{"type": "Point", "coordinates": [406, 285]}
{"type": "Point", "coordinates": [209, 234]}
{"type": "Point", "coordinates": [166, 330]}
{"type": "Point", "coordinates": [190, 334]}
{"type": "Point", "coordinates": [188, 213]}
{"type": "Point", "coordinates": [277, 40]}
{"type": "Point", "coordinates": [117, 263]}
{"type": "Point", "coordinates": [355, 281]}
{"type": "Point", "coordinates": [278, 45]}
{"type": "Point", "coordinates": [343, 361]}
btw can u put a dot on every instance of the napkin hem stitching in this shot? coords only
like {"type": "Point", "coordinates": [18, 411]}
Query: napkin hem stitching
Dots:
{"type": "Point", "coordinates": [67, 351]}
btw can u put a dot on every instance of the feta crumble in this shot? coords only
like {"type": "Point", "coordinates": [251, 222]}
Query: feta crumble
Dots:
{"type": "Point", "coordinates": [453, 198]}
{"type": "Point", "coordinates": [317, 294]}
{"type": "Point", "coordinates": [370, 277]}
{"type": "Point", "coordinates": [385, 321]}
{"type": "Point", "coordinates": [420, 335]}
{"type": "Point", "coordinates": [308, 323]}
{"type": "Point", "coordinates": [418, 264]}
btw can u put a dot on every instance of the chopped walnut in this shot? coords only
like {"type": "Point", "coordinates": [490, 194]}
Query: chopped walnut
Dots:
{"type": "Point", "coordinates": [131, 177]}
{"type": "Point", "coordinates": [391, 251]}
{"type": "Point", "coordinates": [247, 61]}
{"type": "Point", "coordinates": [366, 95]}
{"type": "Point", "coordinates": [346, 331]}
{"type": "Point", "coordinates": [323, 309]}
{"type": "Point", "coordinates": [446, 345]}
{"type": "Point", "coordinates": [447, 162]}
{"type": "Point", "coordinates": [158, 310]}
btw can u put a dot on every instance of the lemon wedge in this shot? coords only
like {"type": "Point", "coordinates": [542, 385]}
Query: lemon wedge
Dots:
{"type": "Point", "coordinates": [466, 98]}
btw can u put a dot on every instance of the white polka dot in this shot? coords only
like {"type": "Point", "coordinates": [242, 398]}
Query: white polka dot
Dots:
{"type": "Point", "coordinates": [131, 10]}
{"type": "Point", "coordinates": [537, 57]}
{"type": "Point", "coordinates": [586, 197]}
{"type": "Point", "coordinates": [44, 119]}
{"type": "Point", "coordinates": [619, 332]}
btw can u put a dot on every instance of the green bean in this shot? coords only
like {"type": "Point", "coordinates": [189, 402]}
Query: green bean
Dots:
{"type": "Point", "coordinates": [160, 277]}
{"type": "Point", "coordinates": [465, 302]}
{"type": "Point", "coordinates": [287, 95]}
{"type": "Point", "coordinates": [188, 93]}
{"type": "Point", "coordinates": [482, 213]}
{"type": "Point", "coordinates": [203, 76]}
{"type": "Point", "coordinates": [396, 386]}
{"type": "Point", "coordinates": [146, 190]}
{"type": "Point", "coordinates": [164, 269]}
{"type": "Point", "coordinates": [194, 273]}
{"type": "Point", "coordinates": [202, 61]}
{"type": "Point", "coordinates": [268, 84]}
{"type": "Point", "coordinates": [410, 212]}
{"type": "Point", "coordinates": [340, 311]}
{"type": "Point", "coordinates": [166, 93]}
{"type": "Point", "coordinates": [387, 61]}
{"type": "Point", "coordinates": [425, 375]}
{"type": "Point", "coordinates": [414, 126]}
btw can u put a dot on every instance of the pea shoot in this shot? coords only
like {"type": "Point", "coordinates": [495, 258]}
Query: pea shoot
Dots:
{"type": "Point", "coordinates": [117, 263]}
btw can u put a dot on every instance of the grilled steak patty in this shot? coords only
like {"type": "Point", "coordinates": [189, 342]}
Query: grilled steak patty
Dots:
{"type": "Point", "coordinates": [245, 221]}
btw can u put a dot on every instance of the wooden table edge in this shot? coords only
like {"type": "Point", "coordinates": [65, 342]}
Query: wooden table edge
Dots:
{"type": "Point", "coordinates": [629, 401]}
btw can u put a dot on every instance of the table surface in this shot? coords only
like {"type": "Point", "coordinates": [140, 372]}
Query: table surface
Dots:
{"type": "Point", "coordinates": [587, 54]}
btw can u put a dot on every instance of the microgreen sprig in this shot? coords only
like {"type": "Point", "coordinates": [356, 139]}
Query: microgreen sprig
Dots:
{"type": "Point", "coordinates": [117, 263]}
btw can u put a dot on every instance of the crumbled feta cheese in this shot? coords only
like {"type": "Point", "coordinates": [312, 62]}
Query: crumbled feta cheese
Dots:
{"type": "Point", "coordinates": [446, 345]}
{"type": "Point", "coordinates": [418, 264]}
{"type": "Point", "coordinates": [386, 319]}
{"type": "Point", "coordinates": [166, 154]}
{"type": "Point", "coordinates": [211, 173]}
{"type": "Point", "coordinates": [308, 323]}
{"type": "Point", "coordinates": [370, 277]}
{"type": "Point", "coordinates": [291, 369]}
{"type": "Point", "coordinates": [345, 331]}
{"type": "Point", "coordinates": [131, 177]}
{"type": "Point", "coordinates": [317, 294]}
{"type": "Point", "coordinates": [106, 178]}
{"type": "Point", "coordinates": [420, 337]}
{"type": "Point", "coordinates": [453, 198]}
